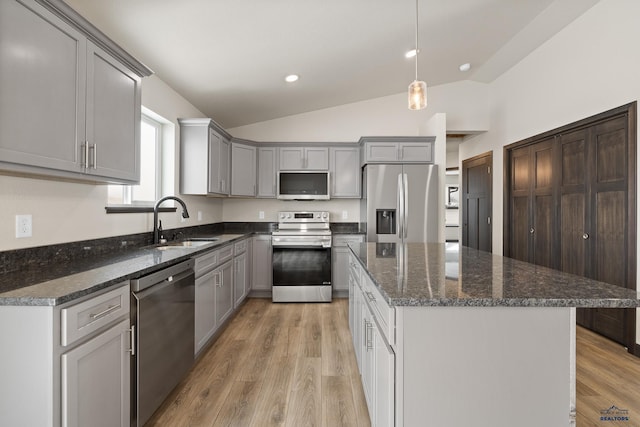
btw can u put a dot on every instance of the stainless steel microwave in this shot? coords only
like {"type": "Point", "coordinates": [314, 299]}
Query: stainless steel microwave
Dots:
{"type": "Point", "coordinates": [303, 185]}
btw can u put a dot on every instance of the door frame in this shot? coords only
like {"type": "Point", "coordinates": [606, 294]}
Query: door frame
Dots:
{"type": "Point", "coordinates": [465, 164]}
{"type": "Point", "coordinates": [631, 113]}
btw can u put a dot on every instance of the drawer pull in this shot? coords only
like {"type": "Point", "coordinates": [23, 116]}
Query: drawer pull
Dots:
{"type": "Point", "coordinates": [370, 296]}
{"type": "Point", "coordinates": [104, 312]}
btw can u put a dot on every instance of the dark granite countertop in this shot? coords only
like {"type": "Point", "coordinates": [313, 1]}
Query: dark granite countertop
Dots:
{"type": "Point", "coordinates": [58, 283]}
{"type": "Point", "coordinates": [439, 274]}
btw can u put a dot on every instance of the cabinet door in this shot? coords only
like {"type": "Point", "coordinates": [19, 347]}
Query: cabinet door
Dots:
{"type": "Point", "coordinates": [243, 170]}
{"type": "Point", "coordinates": [340, 268]}
{"type": "Point", "coordinates": [267, 172]}
{"type": "Point", "coordinates": [240, 278]}
{"type": "Point", "coordinates": [96, 380]}
{"type": "Point", "coordinates": [418, 152]}
{"type": "Point", "coordinates": [262, 274]}
{"type": "Point", "coordinates": [224, 166]}
{"type": "Point", "coordinates": [316, 158]}
{"type": "Point", "coordinates": [367, 369]}
{"type": "Point", "coordinates": [345, 172]}
{"type": "Point", "coordinates": [42, 87]}
{"type": "Point", "coordinates": [384, 382]}
{"type": "Point", "coordinates": [215, 142]}
{"type": "Point", "coordinates": [224, 292]}
{"type": "Point", "coordinates": [113, 117]}
{"type": "Point", "coordinates": [291, 158]}
{"type": "Point", "coordinates": [381, 152]}
{"type": "Point", "coordinates": [205, 309]}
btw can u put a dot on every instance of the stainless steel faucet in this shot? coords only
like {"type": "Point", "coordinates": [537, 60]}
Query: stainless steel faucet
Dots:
{"type": "Point", "coordinates": [185, 214]}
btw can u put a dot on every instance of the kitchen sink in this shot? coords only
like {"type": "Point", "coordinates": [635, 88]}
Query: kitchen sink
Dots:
{"type": "Point", "coordinates": [189, 243]}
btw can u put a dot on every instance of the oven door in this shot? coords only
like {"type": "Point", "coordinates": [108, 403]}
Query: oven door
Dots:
{"type": "Point", "coordinates": [301, 273]}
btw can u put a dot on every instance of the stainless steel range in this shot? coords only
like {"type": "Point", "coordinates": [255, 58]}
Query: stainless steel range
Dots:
{"type": "Point", "coordinates": [302, 257]}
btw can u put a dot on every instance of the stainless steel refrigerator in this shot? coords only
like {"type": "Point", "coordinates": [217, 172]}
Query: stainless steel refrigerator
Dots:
{"type": "Point", "coordinates": [400, 202]}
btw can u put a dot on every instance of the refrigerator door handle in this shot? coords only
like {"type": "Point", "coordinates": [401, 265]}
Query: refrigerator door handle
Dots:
{"type": "Point", "coordinates": [405, 209]}
{"type": "Point", "coordinates": [400, 207]}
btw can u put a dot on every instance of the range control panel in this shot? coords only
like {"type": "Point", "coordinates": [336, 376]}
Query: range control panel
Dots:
{"type": "Point", "coordinates": [304, 217]}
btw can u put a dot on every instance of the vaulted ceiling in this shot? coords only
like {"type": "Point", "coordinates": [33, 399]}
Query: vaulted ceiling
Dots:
{"type": "Point", "coordinates": [229, 57]}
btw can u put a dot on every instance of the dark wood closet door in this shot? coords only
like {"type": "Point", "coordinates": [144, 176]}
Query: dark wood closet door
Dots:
{"type": "Point", "coordinates": [542, 214]}
{"type": "Point", "coordinates": [581, 208]}
{"type": "Point", "coordinates": [519, 204]}
{"type": "Point", "coordinates": [608, 225]}
{"type": "Point", "coordinates": [477, 202]}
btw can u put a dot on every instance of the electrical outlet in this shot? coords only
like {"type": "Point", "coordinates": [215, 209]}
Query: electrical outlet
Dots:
{"type": "Point", "coordinates": [261, 214]}
{"type": "Point", "coordinates": [199, 215]}
{"type": "Point", "coordinates": [24, 226]}
{"type": "Point", "coordinates": [345, 215]}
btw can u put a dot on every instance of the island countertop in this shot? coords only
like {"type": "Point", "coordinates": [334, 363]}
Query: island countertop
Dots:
{"type": "Point", "coordinates": [439, 274]}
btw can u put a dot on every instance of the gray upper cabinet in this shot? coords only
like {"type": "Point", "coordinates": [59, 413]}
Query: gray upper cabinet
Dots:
{"type": "Point", "coordinates": [267, 172]}
{"type": "Point", "coordinates": [85, 101]}
{"type": "Point", "coordinates": [420, 150]}
{"type": "Point", "coordinates": [243, 170]}
{"type": "Point", "coordinates": [204, 158]}
{"type": "Point", "coordinates": [304, 158]}
{"type": "Point", "coordinates": [345, 172]}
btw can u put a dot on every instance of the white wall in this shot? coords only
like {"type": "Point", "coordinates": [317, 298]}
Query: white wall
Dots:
{"type": "Point", "coordinates": [589, 67]}
{"type": "Point", "coordinates": [66, 212]}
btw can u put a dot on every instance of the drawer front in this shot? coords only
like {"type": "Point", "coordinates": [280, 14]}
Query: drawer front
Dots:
{"type": "Point", "coordinates": [384, 314]}
{"type": "Point", "coordinates": [345, 240]}
{"type": "Point", "coordinates": [206, 262]}
{"type": "Point", "coordinates": [240, 247]}
{"type": "Point", "coordinates": [225, 254]}
{"type": "Point", "coordinates": [88, 316]}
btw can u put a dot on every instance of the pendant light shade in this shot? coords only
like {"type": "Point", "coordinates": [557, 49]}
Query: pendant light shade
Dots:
{"type": "Point", "coordinates": [417, 89]}
{"type": "Point", "coordinates": [417, 95]}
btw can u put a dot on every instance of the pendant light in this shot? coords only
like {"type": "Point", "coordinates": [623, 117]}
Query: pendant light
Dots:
{"type": "Point", "coordinates": [418, 88]}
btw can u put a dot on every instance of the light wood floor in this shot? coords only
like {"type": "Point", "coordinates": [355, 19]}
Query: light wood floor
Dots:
{"type": "Point", "coordinates": [293, 365]}
{"type": "Point", "coordinates": [274, 365]}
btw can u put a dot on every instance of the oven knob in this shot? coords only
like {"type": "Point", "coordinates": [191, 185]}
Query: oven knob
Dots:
{"type": "Point", "coordinates": [325, 215]}
{"type": "Point", "coordinates": [288, 215]}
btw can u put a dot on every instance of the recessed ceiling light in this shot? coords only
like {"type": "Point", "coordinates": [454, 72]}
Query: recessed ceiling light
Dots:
{"type": "Point", "coordinates": [291, 78]}
{"type": "Point", "coordinates": [410, 54]}
{"type": "Point", "coordinates": [465, 67]}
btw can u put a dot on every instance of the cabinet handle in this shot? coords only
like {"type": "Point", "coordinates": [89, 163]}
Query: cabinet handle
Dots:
{"type": "Point", "coordinates": [218, 282]}
{"type": "Point", "coordinates": [368, 327]}
{"type": "Point", "coordinates": [85, 154]}
{"type": "Point", "coordinates": [532, 230]}
{"type": "Point", "coordinates": [94, 147]}
{"type": "Point", "coordinates": [370, 295]}
{"type": "Point", "coordinates": [132, 350]}
{"type": "Point", "coordinates": [104, 312]}
{"type": "Point", "coordinates": [585, 236]}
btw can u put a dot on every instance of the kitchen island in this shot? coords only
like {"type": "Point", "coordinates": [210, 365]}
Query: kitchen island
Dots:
{"type": "Point", "coordinates": [448, 336]}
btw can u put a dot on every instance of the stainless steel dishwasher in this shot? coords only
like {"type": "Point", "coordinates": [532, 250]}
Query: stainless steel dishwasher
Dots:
{"type": "Point", "coordinates": [162, 312]}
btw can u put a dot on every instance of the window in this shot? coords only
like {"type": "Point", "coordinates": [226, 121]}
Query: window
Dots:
{"type": "Point", "coordinates": [156, 165]}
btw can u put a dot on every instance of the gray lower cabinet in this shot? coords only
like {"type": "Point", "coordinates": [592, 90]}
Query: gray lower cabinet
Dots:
{"type": "Point", "coordinates": [346, 176]}
{"type": "Point", "coordinates": [86, 103]}
{"type": "Point", "coordinates": [204, 158]}
{"type": "Point", "coordinates": [67, 365]}
{"type": "Point", "coordinates": [340, 262]}
{"type": "Point", "coordinates": [224, 292]}
{"type": "Point", "coordinates": [241, 271]}
{"type": "Point", "coordinates": [267, 172]}
{"type": "Point", "coordinates": [243, 170]}
{"type": "Point", "coordinates": [262, 266]}
{"type": "Point", "coordinates": [96, 380]}
{"type": "Point", "coordinates": [213, 293]}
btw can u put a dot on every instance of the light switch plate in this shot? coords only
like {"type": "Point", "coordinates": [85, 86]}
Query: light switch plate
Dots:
{"type": "Point", "coordinates": [345, 215]}
{"type": "Point", "coordinates": [261, 214]}
{"type": "Point", "coordinates": [24, 226]}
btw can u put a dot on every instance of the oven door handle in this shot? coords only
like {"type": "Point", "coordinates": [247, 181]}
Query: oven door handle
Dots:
{"type": "Point", "coordinates": [277, 243]}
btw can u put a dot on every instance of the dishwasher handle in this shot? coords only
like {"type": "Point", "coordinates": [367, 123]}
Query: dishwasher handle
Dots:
{"type": "Point", "coordinates": [173, 271]}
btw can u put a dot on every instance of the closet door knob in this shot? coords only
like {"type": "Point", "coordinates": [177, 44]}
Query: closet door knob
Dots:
{"type": "Point", "coordinates": [585, 236]}
{"type": "Point", "coordinates": [532, 230]}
